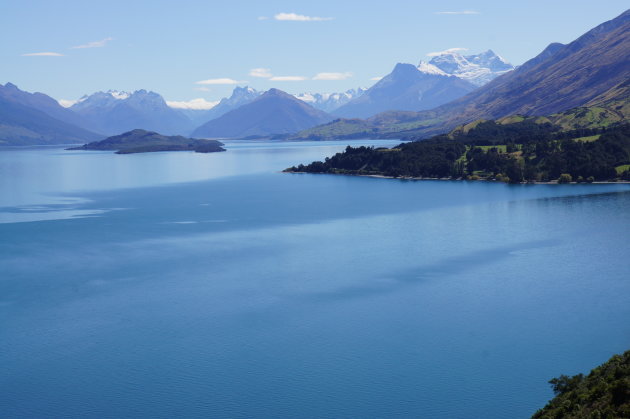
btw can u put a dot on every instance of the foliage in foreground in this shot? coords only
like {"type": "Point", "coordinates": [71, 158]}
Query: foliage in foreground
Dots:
{"type": "Point", "coordinates": [604, 393]}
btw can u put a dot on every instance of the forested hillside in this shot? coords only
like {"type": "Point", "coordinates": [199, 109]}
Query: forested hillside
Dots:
{"type": "Point", "coordinates": [604, 393]}
{"type": "Point", "coordinates": [524, 151]}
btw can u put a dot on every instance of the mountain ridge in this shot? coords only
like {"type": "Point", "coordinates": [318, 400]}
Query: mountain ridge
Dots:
{"type": "Point", "coordinates": [23, 125]}
{"type": "Point", "coordinates": [114, 112]}
{"type": "Point", "coordinates": [274, 112]}
{"type": "Point", "coordinates": [561, 77]}
{"type": "Point", "coordinates": [406, 88]}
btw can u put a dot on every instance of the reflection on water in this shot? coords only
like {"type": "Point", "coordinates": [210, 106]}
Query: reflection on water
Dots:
{"type": "Point", "coordinates": [48, 176]}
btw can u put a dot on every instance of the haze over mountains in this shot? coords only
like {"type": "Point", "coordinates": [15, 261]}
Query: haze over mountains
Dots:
{"type": "Point", "coordinates": [115, 112]}
{"type": "Point", "coordinates": [590, 70]}
{"type": "Point", "coordinates": [274, 112]}
{"type": "Point", "coordinates": [433, 97]}
{"type": "Point", "coordinates": [448, 76]}
{"type": "Point", "coordinates": [564, 77]}
{"type": "Point", "coordinates": [406, 88]}
{"type": "Point", "coordinates": [35, 118]}
{"type": "Point", "coordinates": [329, 102]}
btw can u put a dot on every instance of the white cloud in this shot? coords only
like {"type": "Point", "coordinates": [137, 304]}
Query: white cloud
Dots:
{"type": "Point", "coordinates": [67, 103]}
{"type": "Point", "coordinates": [332, 76]}
{"type": "Point", "coordinates": [300, 18]}
{"type": "Point", "coordinates": [43, 54]}
{"type": "Point", "coordinates": [462, 12]}
{"type": "Point", "coordinates": [446, 51]}
{"type": "Point", "coordinates": [220, 81]}
{"type": "Point", "coordinates": [260, 72]}
{"type": "Point", "coordinates": [194, 104]}
{"type": "Point", "coordinates": [288, 78]}
{"type": "Point", "coordinates": [94, 44]}
{"type": "Point", "coordinates": [377, 78]}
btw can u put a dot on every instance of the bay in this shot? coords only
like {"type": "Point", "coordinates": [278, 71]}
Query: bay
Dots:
{"type": "Point", "coordinates": [182, 284]}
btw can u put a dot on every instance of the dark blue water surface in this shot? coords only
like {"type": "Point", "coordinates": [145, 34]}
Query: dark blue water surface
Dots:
{"type": "Point", "coordinates": [191, 285]}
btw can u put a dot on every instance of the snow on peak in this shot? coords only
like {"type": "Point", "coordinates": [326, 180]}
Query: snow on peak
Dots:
{"type": "Point", "coordinates": [118, 94]}
{"type": "Point", "coordinates": [66, 103]}
{"type": "Point", "coordinates": [478, 69]}
{"type": "Point", "coordinates": [194, 104]}
{"type": "Point", "coordinates": [328, 102]}
{"type": "Point", "coordinates": [427, 68]}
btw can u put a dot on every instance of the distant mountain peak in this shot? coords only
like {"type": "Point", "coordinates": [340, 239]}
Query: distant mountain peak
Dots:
{"type": "Point", "coordinates": [240, 96]}
{"type": "Point", "coordinates": [118, 94]}
{"type": "Point", "coordinates": [10, 86]}
{"type": "Point", "coordinates": [239, 89]}
{"type": "Point", "coordinates": [407, 88]}
{"type": "Point", "coordinates": [276, 92]}
{"type": "Point", "coordinates": [478, 69]}
{"type": "Point", "coordinates": [273, 112]}
{"type": "Point", "coordinates": [43, 103]}
{"type": "Point", "coordinates": [404, 68]}
{"type": "Point", "coordinates": [116, 111]}
{"type": "Point", "coordinates": [329, 102]}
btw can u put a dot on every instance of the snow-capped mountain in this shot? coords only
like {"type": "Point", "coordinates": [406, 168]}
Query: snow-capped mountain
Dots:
{"type": "Point", "coordinates": [101, 100]}
{"type": "Point", "coordinates": [240, 96]}
{"type": "Point", "coordinates": [407, 88]}
{"type": "Point", "coordinates": [273, 112]}
{"type": "Point", "coordinates": [113, 112]}
{"type": "Point", "coordinates": [328, 102]}
{"type": "Point", "coordinates": [478, 69]}
{"type": "Point", "coordinates": [427, 68]}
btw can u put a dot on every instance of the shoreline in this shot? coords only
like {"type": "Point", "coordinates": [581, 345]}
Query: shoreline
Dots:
{"type": "Point", "coordinates": [551, 182]}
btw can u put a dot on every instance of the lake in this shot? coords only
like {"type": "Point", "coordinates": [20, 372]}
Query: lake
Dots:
{"type": "Point", "coordinates": [212, 285]}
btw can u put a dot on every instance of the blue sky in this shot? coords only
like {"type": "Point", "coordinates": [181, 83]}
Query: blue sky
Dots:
{"type": "Point", "coordinates": [171, 46]}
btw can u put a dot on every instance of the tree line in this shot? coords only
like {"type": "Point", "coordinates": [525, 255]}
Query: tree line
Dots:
{"type": "Point", "coordinates": [517, 152]}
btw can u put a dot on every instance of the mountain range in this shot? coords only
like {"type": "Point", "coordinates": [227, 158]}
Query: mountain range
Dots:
{"type": "Point", "coordinates": [114, 112]}
{"type": "Point", "coordinates": [448, 76]}
{"type": "Point", "coordinates": [406, 88]}
{"type": "Point", "coordinates": [477, 69]}
{"type": "Point", "coordinates": [35, 118]}
{"type": "Point", "coordinates": [329, 102]}
{"type": "Point", "coordinates": [240, 96]}
{"type": "Point", "coordinates": [587, 72]}
{"type": "Point", "coordinates": [273, 112]}
{"type": "Point", "coordinates": [586, 78]}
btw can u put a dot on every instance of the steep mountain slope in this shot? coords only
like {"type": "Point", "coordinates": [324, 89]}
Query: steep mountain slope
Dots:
{"type": "Point", "coordinates": [406, 88]}
{"type": "Point", "coordinates": [22, 125]}
{"type": "Point", "coordinates": [115, 112]}
{"type": "Point", "coordinates": [275, 112]}
{"type": "Point", "coordinates": [41, 102]}
{"type": "Point", "coordinates": [571, 76]}
{"type": "Point", "coordinates": [560, 78]}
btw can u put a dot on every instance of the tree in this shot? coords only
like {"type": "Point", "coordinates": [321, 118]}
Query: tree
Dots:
{"type": "Point", "coordinates": [564, 383]}
{"type": "Point", "coordinates": [565, 178]}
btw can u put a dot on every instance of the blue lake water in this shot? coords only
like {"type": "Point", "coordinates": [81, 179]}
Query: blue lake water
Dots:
{"type": "Point", "coordinates": [192, 285]}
